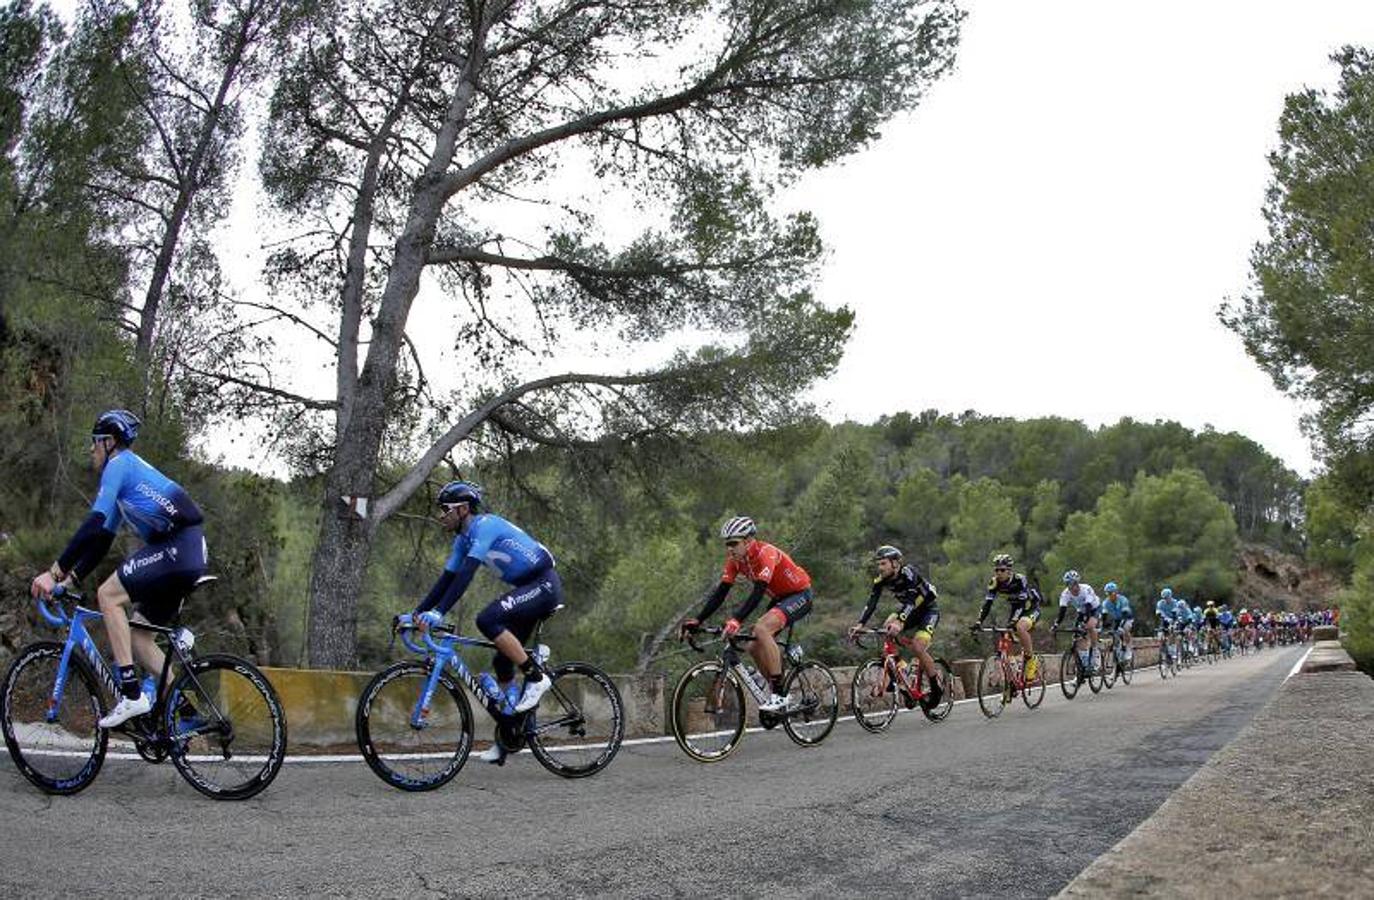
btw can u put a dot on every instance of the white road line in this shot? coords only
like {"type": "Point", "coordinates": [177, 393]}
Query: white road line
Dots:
{"type": "Point", "coordinates": [1298, 666]}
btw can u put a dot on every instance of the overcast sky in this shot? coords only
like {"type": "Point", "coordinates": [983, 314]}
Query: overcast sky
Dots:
{"type": "Point", "coordinates": [1053, 230]}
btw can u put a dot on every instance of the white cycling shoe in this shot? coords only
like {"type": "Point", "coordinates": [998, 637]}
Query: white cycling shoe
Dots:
{"type": "Point", "coordinates": [495, 754]}
{"type": "Point", "coordinates": [533, 691]}
{"type": "Point", "coordinates": [126, 709]}
{"type": "Point", "coordinates": [774, 704]}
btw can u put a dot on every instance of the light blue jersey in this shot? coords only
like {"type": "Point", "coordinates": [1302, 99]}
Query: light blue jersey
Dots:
{"type": "Point", "coordinates": [133, 492]}
{"type": "Point", "coordinates": [1118, 609]}
{"type": "Point", "coordinates": [502, 547]}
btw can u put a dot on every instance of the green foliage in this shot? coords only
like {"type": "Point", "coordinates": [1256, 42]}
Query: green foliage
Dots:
{"type": "Point", "coordinates": [1357, 601]}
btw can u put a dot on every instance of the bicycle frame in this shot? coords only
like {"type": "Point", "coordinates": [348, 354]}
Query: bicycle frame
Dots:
{"type": "Point", "coordinates": [445, 655]}
{"type": "Point", "coordinates": [78, 639]}
{"type": "Point", "coordinates": [909, 680]}
{"type": "Point", "coordinates": [730, 657]}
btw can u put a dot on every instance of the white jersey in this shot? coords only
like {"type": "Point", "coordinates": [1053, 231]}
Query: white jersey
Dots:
{"type": "Point", "coordinates": [1086, 601]}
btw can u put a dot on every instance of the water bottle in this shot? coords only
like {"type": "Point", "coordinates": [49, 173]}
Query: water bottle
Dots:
{"type": "Point", "coordinates": [541, 654]}
{"type": "Point", "coordinates": [150, 687]}
{"type": "Point", "coordinates": [760, 681]}
{"type": "Point", "coordinates": [513, 694]}
{"type": "Point", "coordinates": [184, 639]}
{"type": "Point", "coordinates": [794, 653]}
{"type": "Point", "coordinates": [490, 687]}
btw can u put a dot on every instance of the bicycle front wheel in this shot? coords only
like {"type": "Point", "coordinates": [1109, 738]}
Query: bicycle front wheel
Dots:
{"type": "Point", "coordinates": [873, 697]}
{"type": "Point", "coordinates": [946, 674]}
{"type": "Point", "coordinates": [577, 728]}
{"type": "Point", "coordinates": [1109, 666]}
{"type": "Point", "coordinates": [813, 703]}
{"type": "Point", "coordinates": [227, 727]}
{"type": "Point", "coordinates": [1096, 670]}
{"type": "Point", "coordinates": [1125, 669]}
{"type": "Point", "coordinates": [59, 748]}
{"type": "Point", "coordinates": [1068, 674]}
{"type": "Point", "coordinates": [708, 712]}
{"type": "Point", "coordinates": [410, 751]}
{"type": "Point", "coordinates": [993, 691]}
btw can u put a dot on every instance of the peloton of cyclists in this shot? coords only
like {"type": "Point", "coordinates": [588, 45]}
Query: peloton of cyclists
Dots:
{"type": "Point", "coordinates": [1024, 600]}
{"type": "Point", "coordinates": [918, 612]}
{"type": "Point", "coordinates": [1084, 599]}
{"type": "Point", "coordinates": [770, 572]}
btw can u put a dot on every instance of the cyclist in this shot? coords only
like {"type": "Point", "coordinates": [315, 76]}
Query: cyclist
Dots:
{"type": "Point", "coordinates": [913, 624]}
{"type": "Point", "coordinates": [1025, 603]}
{"type": "Point", "coordinates": [1084, 599]}
{"type": "Point", "coordinates": [1183, 622]}
{"type": "Point", "coordinates": [1117, 613]}
{"type": "Point", "coordinates": [154, 579]}
{"type": "Point", "coordinates": [772, 572]}
{"type": "Point", "coordinates": [1228, 624]}
{"type": "Point", "coordinates": [1165, 612]}
{"type": "Point", "coordinates": [1211, 621]}
{"type": "Point", "coordinates": [483, 538]}
{"type": "Point", "coordinates": [1247, 628]}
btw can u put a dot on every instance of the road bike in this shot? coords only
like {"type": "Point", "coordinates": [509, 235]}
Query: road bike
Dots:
{"type": "Point", "coordinates": [879, 683]}
{"type": "Point", "coordinates": [1071, 675]}
{"type": "Point", "coordinates": [415, 726]}
{"type": "Point", "coordinates": [1118, 663]}
{"type": "Point", "coordinates": [218, 719]}
{"type": "Point", "coordinates": [708, 707]}
{"type": "Point", "coordinates": [1000, 676]}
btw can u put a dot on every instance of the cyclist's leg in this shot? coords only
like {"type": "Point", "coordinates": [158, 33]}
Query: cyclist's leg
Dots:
{"type": "Point", "coordinates": [921, 634]}
{"type": "Point", "coordinates": [764, 648]}
{"type": "Point", "coordinates": [112, 599]}
{"type": "Point", "coordinates": [156, 587]}
{"type": "Point", "coordinates": [509, 619]}
{"type": "Point", "coordinates": [1025, 621]}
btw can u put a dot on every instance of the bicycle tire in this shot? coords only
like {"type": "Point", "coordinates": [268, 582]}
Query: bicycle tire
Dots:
{"type": "Point", "coordinates": [946, 674]}
{"type": "Point", "coordinates": [1034, 693]}
{"type": "Point", "coordinates": [874, 714]}
{"type": "Point", "coordinates": [1068, 674]}
{"type": "Point", "coordinates": [48, 753]}
{"type": "Point", "coordinates": [1109, 666]}
{"type": "Point", "coordinates": [1125, 671]}
{"type": "Point", "coordinates": [399, 753]}
{"type": "Point", "coordinates": [993, 691]}
{"type": "Point", "coordinates": [1096, 674]}
{"type": "Point", "coordinates": [582, 699]}
{"type": "Point", "coordinates": [713, 732]}
{"type": "Point", "coordinates": [236, 741]}
{"type": "Point", "coordinates": [817, 707]}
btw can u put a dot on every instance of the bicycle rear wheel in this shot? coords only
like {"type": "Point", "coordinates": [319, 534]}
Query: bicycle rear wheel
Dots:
{"type": "Point", "coordinates": [59, 753]}
{"type": "Point", "coordinates": [579, 723]}
{"type": "Point", "coordinates": [1034, 694]}
{"type": "Point", "coordinates": [993, 691]}
{"type": "Point", "coordinates": [405, 755]}
{"type": "Point", "coordinates": [1125, 669]}
{"type": "Point", "coordinates": [946, 675]}
{"type": "Point", "coordinates": [1109, 666]}
{"type": "Point", "coordinates": [708, 712]}
{"type": "Point", "coordinates": [227, 727]}
{"type": "Point", "coordinates": [1068, 673]}
{"type": "Point", "coordinates": [874, 704]}
{"type": "Point", "coordinates": [814, 703]}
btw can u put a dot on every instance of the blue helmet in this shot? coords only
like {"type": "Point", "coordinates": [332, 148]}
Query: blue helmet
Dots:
{"type": "Point", "coordinates": [1071, 577]}
{"type": "Point", "coordinates": [119, 424]}
{"type": "Point", "coordinates": [461, 492]}
{"type": "Point", "coordinates": [1166, 594]}
{"type": "Point", "coordinates": [1110, 587]}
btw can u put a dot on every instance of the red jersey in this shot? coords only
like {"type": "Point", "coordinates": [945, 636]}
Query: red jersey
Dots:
{"type": "Point", "coordinates": [766, 563]}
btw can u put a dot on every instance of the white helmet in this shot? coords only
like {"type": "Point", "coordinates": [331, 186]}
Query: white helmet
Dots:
{"type": "Point", "coordinates": [738, 527]}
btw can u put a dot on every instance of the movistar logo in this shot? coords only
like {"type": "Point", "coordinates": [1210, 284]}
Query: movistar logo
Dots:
{"type": "Point", "coordinates": [152, 494]}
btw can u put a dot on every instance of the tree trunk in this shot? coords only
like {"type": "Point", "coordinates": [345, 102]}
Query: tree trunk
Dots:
{"type": "Point", "coordinates": [337, 572]}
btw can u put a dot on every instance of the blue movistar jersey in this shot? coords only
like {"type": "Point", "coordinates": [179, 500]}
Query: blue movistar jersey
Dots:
{"type": "Point", "coordinates": [1165, 610]}
{"type": "Point", "coordinates": [1227, 619]}
{"type": "Point", "coordinates": [502, 547]}
{"type": "Point", "coordinates": [1119, 609]}
{"type": "Point", "coordinates": [1183, 613]}
{"type": "Point", "coordinates": [133, 492]}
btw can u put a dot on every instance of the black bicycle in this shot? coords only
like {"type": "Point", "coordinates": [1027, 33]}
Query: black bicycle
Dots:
{"type": "Point", "coordinates": [1071, 674]}
{"type": "Point", "coordinates": [219, 720]}
{"type": "Point", "coordinates": [708, 709]}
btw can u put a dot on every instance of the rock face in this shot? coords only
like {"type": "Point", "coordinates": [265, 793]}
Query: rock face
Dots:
{"type": "Point", "coordinates": [1271, 579]}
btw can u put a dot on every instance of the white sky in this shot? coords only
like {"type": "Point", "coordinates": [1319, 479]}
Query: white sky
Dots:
{"type": "Point", "coordinates": [1053, 230]}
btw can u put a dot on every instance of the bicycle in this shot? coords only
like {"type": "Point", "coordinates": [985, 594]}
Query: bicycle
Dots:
{"type": "Point", "coordinates": [219, 721]}
{"type": "Point", "coordinates": [1119, 662]}
{"type": "Point", "coordinates": [1000, 680]}
{"type": "Point", "coordinates": [1168, 652]}
{"type": "Point", "coordinates": [414, 724]}
{"type": "Point", "coordinates": [879, 682]}
{"type": "Point", "coordinates": [1070, 666]}
{"type": "Point", "coordinates": [708, 701]}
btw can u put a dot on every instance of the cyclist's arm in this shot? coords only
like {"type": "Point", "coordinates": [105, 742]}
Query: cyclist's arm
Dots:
{"type": "Point", "coordinates": [751, 601]}
{"type": "Point", "coordinates": [87, 547]}
{"type": "Point", "coordinates": [1063, 608]}
{"type": "Point", "coordinates": [872, 603]}
{"type": "Point", "coordinates": [450, 587]}
{"type": "Point", "coordinates": [716, 598]}
{"type": "Point", "coordinates": [987, 606]}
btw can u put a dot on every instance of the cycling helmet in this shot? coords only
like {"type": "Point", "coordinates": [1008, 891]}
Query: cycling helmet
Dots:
{"type": "Point", "coordinates": [1003, 561]}
{"type": "Point", "coordinates": [1110, 587]}
{"type": "Point", "coordinates": [461, 492]}
{"type": "Point", "coordinates": [1244, 611]}
{"type": "Point", "coordinates": [119, 424]}
{"type": "Point", "coordinates": [1211, 603]}
{"type": "Point", "coordinates": [738, 527]}
{"type": "Point", "coordinates": [887, 551]}
{"type": "Point", "coordinates": [1072, 577]}
{"type": "Point", "coordinates": [1166, 594]}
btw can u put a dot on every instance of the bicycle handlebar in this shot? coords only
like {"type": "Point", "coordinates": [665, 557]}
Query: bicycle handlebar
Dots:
{"type": "Point", "coordinates": [741, 636]}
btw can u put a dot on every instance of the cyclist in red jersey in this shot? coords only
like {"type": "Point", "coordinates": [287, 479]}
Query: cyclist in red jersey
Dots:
{"type": "Point", "coordinates": [772, 572]}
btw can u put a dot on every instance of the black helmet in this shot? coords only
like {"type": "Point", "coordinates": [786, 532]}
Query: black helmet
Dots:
{"type": "Point", "coordinates": [887, 551]}
{"type": "Point", "coordinates": [461, 492]}
{"type": "Point", "coordinates": [119, 424]}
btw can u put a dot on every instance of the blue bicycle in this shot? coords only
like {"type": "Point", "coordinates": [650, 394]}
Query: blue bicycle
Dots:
{"type": "Point", "coordinates": [218, 720]}
{"type": "Point", "coordinates": [415, 726]}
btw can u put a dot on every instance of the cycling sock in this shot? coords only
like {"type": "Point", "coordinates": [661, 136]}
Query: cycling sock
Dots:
{"type": "Point", "coordinates": [531, 670]}
{"type": "Point", "coordinates": [775, 682]}
{"type": "Point", "coordinates": [128, 682]}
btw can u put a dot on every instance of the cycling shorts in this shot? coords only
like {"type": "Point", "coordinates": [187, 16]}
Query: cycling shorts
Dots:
{"type": "Point", "coordinates": [1086, 614]}
{"type": "Point", "coordinates": [793, 607]}
{"type": "Point", "coordinates": [921, 623]}
{"type": "Point", "coordinates": [1125, 626]}
{"type": "Point", "coordinates": [1030, 615]}
{"type": "Point", "coordinates": [158, 576]}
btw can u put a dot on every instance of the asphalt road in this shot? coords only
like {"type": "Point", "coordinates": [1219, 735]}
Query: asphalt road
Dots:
{"type": "Point", "coordinates": [1012, 807]}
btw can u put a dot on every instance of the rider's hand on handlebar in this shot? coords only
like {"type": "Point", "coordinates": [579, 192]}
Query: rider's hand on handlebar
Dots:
{"type": "Point", "coordinates": [976, 627]}
{"type": "Point", "coordinates": [731, 628]}
{"type": "Point", "coordinates": [42, 585]}
{"type": "Point", "coordinates": [687, 627]}
{"type": "Point", "coordinates": [427, 620]}
{"type": "Point", "coordinates": [854, 631]}
{"type": "Point", "coordinates": [893, 628]}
